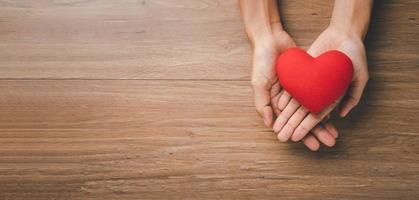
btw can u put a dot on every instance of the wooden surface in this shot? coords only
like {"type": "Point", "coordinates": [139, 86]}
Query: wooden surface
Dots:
{"type": "Point", "coordinates": [144, 99]}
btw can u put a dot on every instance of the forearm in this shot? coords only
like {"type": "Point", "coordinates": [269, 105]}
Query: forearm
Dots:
{"type": "Point", "coordinates": [352, 16]}
{"type": "Point", "coordinates": [261, 19]}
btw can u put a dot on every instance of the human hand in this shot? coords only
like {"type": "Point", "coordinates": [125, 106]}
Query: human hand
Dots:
{"type": "Point", "coordinates": [270, 99]}
{"type": "Point", "coordinates": [295, 121]}
{"type": "Point", "coordinates": [264, 80]}
{"type": "Point", "coordinates": [268, 38]}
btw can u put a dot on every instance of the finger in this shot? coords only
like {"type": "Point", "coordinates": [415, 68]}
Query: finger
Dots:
{"type": "Point", "coordinates": [310, 122]}
{"type": "Point", "coordinates": [332, 129]}
{"type": "Point", "coordinates": [323, 135]}
{"type": "Point", "coordinates": [267, 116]}
{"type": "Point", "coordinates": [275, 89]}
{"type": "Point", "coordinates": [283, 100]}
{"type": "Point", "coordinates": [273, 104]}
{"type": "Point", "coordinates": [292, 123]}
{"type": "Point", "coordinates": [311, 142]}
{"type": "Point", "coordinates": [352, 100]}
{"type": "Point", "coordinates": [262, 102]}
{"type": "Point", "coordinates": [285, 115]}
{"type": "Point", "coordinates": [275, 98]}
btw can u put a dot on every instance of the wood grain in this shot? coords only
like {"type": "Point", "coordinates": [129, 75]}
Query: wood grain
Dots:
{"type": "Point", "coordinates": [151, 100]}
{"type": "Point", "coordinates": [152, 138]}
{"type": "Point", "coordinates": [176, 39]}
{"type": "Point", "coordinates": [124, 40]}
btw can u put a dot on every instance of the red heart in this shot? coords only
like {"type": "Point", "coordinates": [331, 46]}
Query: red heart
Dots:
{"type": "Point", "coordinates": [314, 82]}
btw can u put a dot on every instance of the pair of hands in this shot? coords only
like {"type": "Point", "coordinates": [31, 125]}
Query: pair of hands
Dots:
{"type": "Point", "coordinates": [289, 119]}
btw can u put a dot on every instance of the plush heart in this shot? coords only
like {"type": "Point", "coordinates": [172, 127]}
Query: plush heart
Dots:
{"type": "Point", "coordinates": [314, 82]}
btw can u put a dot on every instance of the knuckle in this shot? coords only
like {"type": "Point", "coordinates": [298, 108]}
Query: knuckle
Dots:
{"type": "Point", "coordinates": [301, 111]}
{"type": "Point", "coordinates": [282, 117]}
{"type": "Point", "coordinates": [290, 125]}
{"type": "Point", "coordinates": [304, 129]}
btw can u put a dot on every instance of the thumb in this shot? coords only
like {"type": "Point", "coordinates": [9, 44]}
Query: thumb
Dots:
{"type": "Point", "coordinates": [353, 96]}
{"type": "Point", "coordinates": [262, 101]}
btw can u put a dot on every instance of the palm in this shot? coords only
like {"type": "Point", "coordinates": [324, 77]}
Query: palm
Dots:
{"type": "Point", "coordinates": [295, 121]}
{"type": "Point", "coordinates": [267, 90]}
{"type": "Point", "coordinates": [354, 48]}
{"type": "Point", "coordinates": [264, 79]}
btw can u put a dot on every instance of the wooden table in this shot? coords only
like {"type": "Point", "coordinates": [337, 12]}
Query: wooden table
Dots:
{"type": "Point", "coordinates": [129, 99]}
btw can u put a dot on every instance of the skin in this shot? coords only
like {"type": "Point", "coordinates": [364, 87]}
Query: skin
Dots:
{"type": "Point", "coordinates": [268, 39]}
{"type": "Point", "coordinates": [345, 33]}
{"type": "Point", "coordinates": [347, 29]}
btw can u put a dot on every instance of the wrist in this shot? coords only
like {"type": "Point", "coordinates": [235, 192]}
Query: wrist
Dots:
{"type": "Point", "coordinates": [261, 20]}
{"type": "Point", "coordinates": [278, 39]}
{"type": "Point", "coordinates": [345, 32]}
{"type": "Point", "coordinates": [344, 38]}
{"type": "Point", "coordinates": [351, 17]}
{"type": "Point", "coordinates": [265, 35]}
{"type": "Point", "coordinates": [349, 29]}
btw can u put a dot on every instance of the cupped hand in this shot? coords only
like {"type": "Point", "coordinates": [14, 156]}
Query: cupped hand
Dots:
{"type": "Point", "coordinates": [264, 81]}
{"type": "Point", "coordinates": [268, 93]}
{"type": "Point", "coordinates": [296, 121]}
